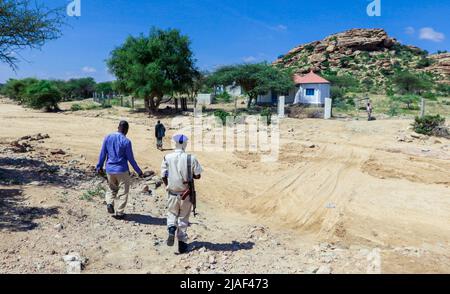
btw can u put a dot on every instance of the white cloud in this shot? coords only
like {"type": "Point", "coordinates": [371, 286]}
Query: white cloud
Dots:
{"type": "Point", "coordinates": [410, 30]}
{"type": "Point", "coordinates": [431, 35]}
{"type": "Point", "coordinates": [88, 69]}
{"type": "Point", "coordinates": [280, 28]}
{"type": "Point", "coordinates": [249, 59]}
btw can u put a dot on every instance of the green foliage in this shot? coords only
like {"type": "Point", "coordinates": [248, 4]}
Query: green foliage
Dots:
{"type": "Point", "coordinates": [411, 83]}
{"type": "Point", "coordinates": [443, 89]}
{"type": "Point", "coordinates": [89, 195]}
{"type": "Point", "coordinates": [393, 109]}
{"type": "Point", "coordinates": [42, 94]}
{"type": "Point", "coordinates": [26, 24]}
{"type": "Point", "coordinates": [107, 88]}
{"type": "Point", "coordinates": [224, 97]}
{"type": "Point", "coordinates": [76, 107]}
{"type": "Point", "coordinates": [266, 114]}
{"type": "Point", "coordinates": [424, 62]}
{"type": "Point", "coordinates": [430, 96]}
{"type": "Point", "coordinates": [410, 100]}
{"type": "Point", "coordinates": [255, 79]}
{"type": "Point", "coordinates": [222, 114]}
{"type": "Point", "coordinates": [309, 48]}
{"type": "Point", "coordinates": [154, 65]}
{"type": "Point", "coordinates": [16, 89]}
{"type": "Point", "coordinates": [428, 124]}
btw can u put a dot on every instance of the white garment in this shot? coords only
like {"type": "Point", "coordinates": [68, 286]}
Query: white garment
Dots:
{"type": "Point", "coordinates": [174, 167]}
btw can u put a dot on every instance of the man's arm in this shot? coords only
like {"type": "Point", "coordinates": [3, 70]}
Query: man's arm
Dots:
{"type": "Point", "coordinates": [196, 169]}
{"type": "Point", "coordinates": [102, 157]}
{"type": "Point", "coordinates": [165, 172]}
{"type": "Point", "coordinates": [130, 158]}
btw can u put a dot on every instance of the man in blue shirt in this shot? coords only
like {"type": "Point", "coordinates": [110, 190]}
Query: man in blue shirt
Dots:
{"type": "Point", "coordinates": [117, 152]}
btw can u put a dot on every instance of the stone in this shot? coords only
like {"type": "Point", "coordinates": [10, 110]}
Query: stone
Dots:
{"type": "Point", "coordinates": [59, 227]}
{"type": "Point", "coordinates": [73, 267]}
{"type": "Point", "coordinates": [212, 260]}
{"type": "Point", "coordinates": [58, 152]}
{"type": "Point", "coordinates": [324, 270]}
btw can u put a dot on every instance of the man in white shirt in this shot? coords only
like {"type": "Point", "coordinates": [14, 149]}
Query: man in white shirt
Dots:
{"type": "Point", "coordinates": [176, 176]}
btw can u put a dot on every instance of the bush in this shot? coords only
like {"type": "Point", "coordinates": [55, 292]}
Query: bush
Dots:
{"type": "Point", "coordinates": [76, 107]}
{"type": "Point", "coordinates": [89, 195]}
{"type": "Point", "coordinates": [411, 101]}
{"type": "Point", "coordinates": [43, 94]}
{"type": "Point", "coordinates": [222, 114]}
{"type": "Point", "coordinates": [224, 97]}
{"type": "Point", "coordinates": [393, 110]}
{"type": "Point", "coordinates": [430, 96]}
{"type": "Point", "coordinates": [266, 114]}
{"type": "Point", "coordinates": [428, 125]}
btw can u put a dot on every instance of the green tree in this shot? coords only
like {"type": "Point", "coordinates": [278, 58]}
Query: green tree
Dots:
{"type": "Point", "coordinates": [107, 88]}
{"type": "Point", "coordinates": [153, 66]}
{"type": "Point", "coordinates": [255, 79]}
{"type": "Point", "coordinates": [16, 89]}
{"type": "Point", "coordinates": [26, 24]}
{"type": "Point", "coordinates": [43, 94]}
{"type": "Point", "coordinates": [410, 83]}
{"type": "Point", "coordinates": [408, 99]}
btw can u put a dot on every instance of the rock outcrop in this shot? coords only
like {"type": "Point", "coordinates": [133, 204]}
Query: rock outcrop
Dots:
{"type": "Point", "coordinates": [367, 54]}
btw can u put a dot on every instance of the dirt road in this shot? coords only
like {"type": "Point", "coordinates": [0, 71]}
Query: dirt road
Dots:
{"type": "Point", "coordinates": [344, 197]}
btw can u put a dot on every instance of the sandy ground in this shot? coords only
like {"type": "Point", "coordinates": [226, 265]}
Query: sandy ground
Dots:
{"type": "Point", "coordinates": [366, 198]}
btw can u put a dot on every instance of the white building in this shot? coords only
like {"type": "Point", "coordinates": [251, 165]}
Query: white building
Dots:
{"type": "Point", "coordinates": [310, 89]}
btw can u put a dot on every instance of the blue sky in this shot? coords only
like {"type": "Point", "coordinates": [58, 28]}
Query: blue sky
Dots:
{"type": "Point", "coordinates": [225, 31]}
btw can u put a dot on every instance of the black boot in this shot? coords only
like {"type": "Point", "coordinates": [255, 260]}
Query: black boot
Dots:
{"type": "Point", "coordinates": [182, 247]}
{"type": "Point", "coordinates": [171, 239]}
{"type": "Point", "coordinates": [110, 208]}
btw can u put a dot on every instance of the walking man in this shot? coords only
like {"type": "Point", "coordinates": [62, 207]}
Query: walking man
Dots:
{"type": "Point", "coordinates": [369, 110]}
{"type": "Point", "coordinates": [177, 170]}
{"type": "Point", "coordinates": [117, 152]}
{"type": "Point", "coordinates": [160, 133]}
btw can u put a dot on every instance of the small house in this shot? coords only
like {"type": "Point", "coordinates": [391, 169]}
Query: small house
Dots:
{"type": "Point", "coordinates": [310, 89]}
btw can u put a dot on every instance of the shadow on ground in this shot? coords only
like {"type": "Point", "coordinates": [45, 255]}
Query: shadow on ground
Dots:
{"type": "Point", "coordinates": [145, 219]}
{"type": "Point", "coordinates": [22, 171]}
{"type": "Point", "coordinates": [18, 218]}
{"type": "Point", "coordinates": [233, 246]}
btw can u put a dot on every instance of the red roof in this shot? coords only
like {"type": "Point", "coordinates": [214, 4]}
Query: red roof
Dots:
{"type": "Point", "coordinates": [310, 78]}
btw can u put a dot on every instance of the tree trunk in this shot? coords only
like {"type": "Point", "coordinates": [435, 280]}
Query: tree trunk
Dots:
{"type": "Point", "coordinates": [147, 104]}
{"type": "Point", "coordinates": [176, 104]}
{"type": "Point", "coordinates": [249, 103]}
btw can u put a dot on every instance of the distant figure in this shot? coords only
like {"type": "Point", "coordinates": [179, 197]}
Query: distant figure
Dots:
{"type": "Point", "coordinates": [117, 152]}
{"type": "Point", "coordinates": [178, 171]}
{"type": "Point", "coordinates": [369, 110]}
{"type": "Point", "coordinates": [160, 133]}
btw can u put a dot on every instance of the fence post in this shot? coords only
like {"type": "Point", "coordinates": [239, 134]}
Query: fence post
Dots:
{"type": "Point", "coordinates": [422, 108]}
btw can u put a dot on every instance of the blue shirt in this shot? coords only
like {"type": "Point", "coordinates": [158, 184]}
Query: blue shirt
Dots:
{"type": "Point", "coordinates": [117, 152]}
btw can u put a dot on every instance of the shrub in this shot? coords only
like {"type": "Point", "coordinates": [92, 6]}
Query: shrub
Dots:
{"type": "Point", "coordinates": [266, 114]}
{"type": "Point", "coordinates": [424, 62]}
{"type": "Point", "coordinates": [222, 114]}
{"type": "Point", "coordinates": [76, 107]}
{"type": "Point", "coordinates": [42, 94]}
{"type": "Point", "coordinates": [224, 97]}
{"type": "Point", "coordinates": [411, 101]}
{"type": "Point", "coordinates": [89, 195]}
{"type": "Point", "coordinates": [430, 96]}
{"type": "Point", "coordinates": [393, 110]}
{"type": "Point", "coordinates": [428, 124]}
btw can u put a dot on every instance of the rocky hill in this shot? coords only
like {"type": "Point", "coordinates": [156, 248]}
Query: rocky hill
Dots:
{"type": "Point", "coordinates": [368, 54]}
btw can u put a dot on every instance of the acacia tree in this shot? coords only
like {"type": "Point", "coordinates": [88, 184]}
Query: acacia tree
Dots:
{"type": "Point", "coordinates": [255, 79]}
{"type": "Point", "coordinates": [152, 66]}
{"type": "Point", "coordinates": [26, 24]}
